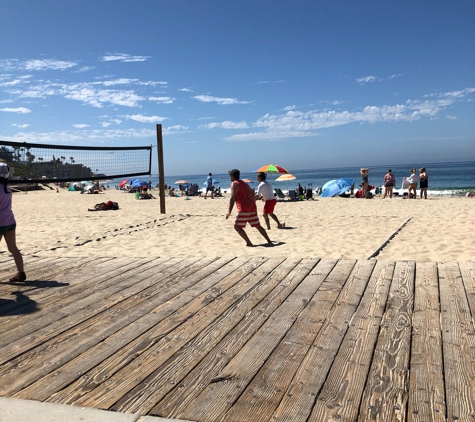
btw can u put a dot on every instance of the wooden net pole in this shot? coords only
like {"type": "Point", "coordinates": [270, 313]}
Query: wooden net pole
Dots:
{"type": "Point", "coordinates": [161, 171]}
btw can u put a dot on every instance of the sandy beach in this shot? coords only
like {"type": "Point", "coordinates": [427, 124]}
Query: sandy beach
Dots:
{"type": "Point", "coordinates": [51, 224]}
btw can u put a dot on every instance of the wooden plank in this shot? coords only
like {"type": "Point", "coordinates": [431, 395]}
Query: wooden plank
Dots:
{"type": "Point", "coordinates": [105, 370]}
{"type": "Point", "coordinates": [458, 344]}
{"type": "Point", "coordinates": [134, 338]}
{"type": "Point", "coordinates": [263, 394]}
{"type": "Point", "coordinates": [234, 378]}
{"type": "Point", "coordinates": [386, 391]}
{"type": "Point", "coordinates": [467, 270]}
{"type": "Point", "coordinates": [426, 383]}
{"type": "Point", "coordinates": [49, 356]}
{"type": "Point", "coordinates": [137, 370]}
{"type": "Point", "coordinates": [24, 337]}
{"type": "Point", "coordinates": [341, 394]}
{"type": "Point", "coordinates": [65, 274]}
{"type": "Point", "coordinates": [209, 368]}
{"type": "Point", "coordinates": [301, 393]}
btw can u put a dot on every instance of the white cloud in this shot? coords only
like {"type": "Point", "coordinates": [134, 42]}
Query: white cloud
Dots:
{"type": "Point", "coordinates": [13, 83]}
{"type": "Point", "coordinates": [225, 125]}
{"type": "Point", "coordinates": [298, 124]}
{"type": "Point", "coordinates": [24, 125]}
{"type": "Point", "coordinates": [124, 58]}
{"type": "Point", "coordinates": [47, 64]}
{"type": "Point", "coordinates": [367, 79]}
{"type": "Point", "coordinates": [97, 98]}
{"type": "Point", "coordinates": [89, 92]}
{"type": "Point", "coordinates": [451, 117]}
{"type": "Point", "coordinates": [222, 101]}
{"type": "Point", "coordinates": [84, 69]}
{"type": "Point", "coordinates": [20, 110]}
{"type": "Point", "coordinates": [121, 81]}
{"type": "Point", "coordinates": [80, 126]}
{"type": "Point", "coordinates": [175, 129]}
{"type": "Point", "coordinates": [145, 119]}
{"type": "Point", "coordinates": [268, 136]}
{"type": "Point", "coordinates": [270, 82]}
{"type": "Point", "coordinates": [185, 90]}
{"type": "Point", "coordinates": [162, 100]}
{"type": "Point", "coordinates": [288, 108]}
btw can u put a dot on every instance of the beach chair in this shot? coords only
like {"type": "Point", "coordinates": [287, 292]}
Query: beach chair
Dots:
{"type": "Point", "coordinates": [309, 192]}
{"type": "Point", "coordinates": [279, 193]}
{"type": "Point", "coordinates": [293, 195]}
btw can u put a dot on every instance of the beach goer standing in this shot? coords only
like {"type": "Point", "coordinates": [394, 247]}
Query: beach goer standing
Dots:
{"type": "Point", "coordinates": [244, 198]}
{"type": "Point", "coordinates": [424, 182]}
{"type": "Point", "coordinates": [389, 183]}
{"type": "Point", "coordinates": [8, 223]}
{"type": "Point", "coordinates": [266, 193]}
{"type": "Point", "coordinates": [209, 186]}
{"type": "Point", "coordinates": [412, 179]}
{"type": "Point", "coordinates": [364, 181]}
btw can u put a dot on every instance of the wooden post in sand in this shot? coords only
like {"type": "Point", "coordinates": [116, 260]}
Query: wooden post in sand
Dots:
{"type": "Point", "coordinates": [161, 172]}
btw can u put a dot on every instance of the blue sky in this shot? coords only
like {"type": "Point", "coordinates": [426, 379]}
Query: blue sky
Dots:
{"type": "Point", "coordinates": [302, 84]}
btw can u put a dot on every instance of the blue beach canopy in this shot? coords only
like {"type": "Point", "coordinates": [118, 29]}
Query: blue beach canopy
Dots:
{"type": "Point", "coordinates": [336, 187]}
{"type": "Point", "coordinates": [138, 183]}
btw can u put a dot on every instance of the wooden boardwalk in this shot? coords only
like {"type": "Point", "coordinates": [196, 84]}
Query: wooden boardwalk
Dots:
{"type": "Point", "coordinates": [243, 339]}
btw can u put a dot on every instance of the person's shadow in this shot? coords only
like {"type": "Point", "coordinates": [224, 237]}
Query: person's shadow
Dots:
{"type": "Point", "coordinates": [22, 304]}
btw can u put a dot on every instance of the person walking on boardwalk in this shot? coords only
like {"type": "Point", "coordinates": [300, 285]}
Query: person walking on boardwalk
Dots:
{"type": "Point", "coordinates": [266, 193]}
{"type": "Point", "coordinates": [8, 223]}
{"type": "Point", "coordinates": [244, 198]}
{"type": "Point", "coordinates": [209, 186]}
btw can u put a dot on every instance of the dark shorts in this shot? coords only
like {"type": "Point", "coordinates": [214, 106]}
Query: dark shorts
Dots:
{"type": "Point", "coordinates": [10, 228]}
{"type": "Point", "coordinates": [209, 188]}
{"type": "Point", "coordinates": [389, 185]}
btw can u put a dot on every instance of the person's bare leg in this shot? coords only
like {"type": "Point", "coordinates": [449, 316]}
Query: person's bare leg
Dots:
{"type": "Point", "coordinates": [243, 234]}
{"type": "Point", "coordinates": [263, 232]}
{"type": "Point", "coordinates": [10, 238]}
{"type": "Point", "coordinates": [266, 218]}
{"type": "Point", "coordinates": [274, 217]}
{"type": "Point", "coordinates": [385, 192]}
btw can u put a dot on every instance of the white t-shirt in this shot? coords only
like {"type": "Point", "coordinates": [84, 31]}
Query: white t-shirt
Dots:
{"type": "Point", "coordinates": [265, 190]}
{"type": "Point", "coordinates": [413, 178]}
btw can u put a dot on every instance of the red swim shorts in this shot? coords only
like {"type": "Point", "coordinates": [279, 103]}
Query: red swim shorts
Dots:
{"type": "Point", "coordinates": [269, 206]}
{"type": "Point", "coordinates": [247, 217]}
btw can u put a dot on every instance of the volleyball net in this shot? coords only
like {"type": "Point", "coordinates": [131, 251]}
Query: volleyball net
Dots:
{"type": "Point", "coordinates": [40, 163]}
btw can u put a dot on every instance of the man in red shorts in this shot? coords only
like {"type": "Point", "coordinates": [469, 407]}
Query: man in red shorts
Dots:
{"type": "Point", "coordinates": [266, 193]}
{"type": "Point", "coordinates": [243, 196]}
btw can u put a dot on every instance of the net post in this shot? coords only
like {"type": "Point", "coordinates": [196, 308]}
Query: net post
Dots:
{"type": "Point", "coordinates": [161, 173]}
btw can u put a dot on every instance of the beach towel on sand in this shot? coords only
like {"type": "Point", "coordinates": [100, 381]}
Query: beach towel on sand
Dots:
{"type": "Point", "coordinates": [105, 206]}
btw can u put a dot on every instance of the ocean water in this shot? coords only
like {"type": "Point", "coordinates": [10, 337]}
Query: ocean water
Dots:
{"type": "Point", "coordinates": [444, 178]}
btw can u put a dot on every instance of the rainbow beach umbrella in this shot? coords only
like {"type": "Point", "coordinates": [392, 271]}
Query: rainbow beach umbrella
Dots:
{"type": "Point", "coordinates": [272, 168]}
